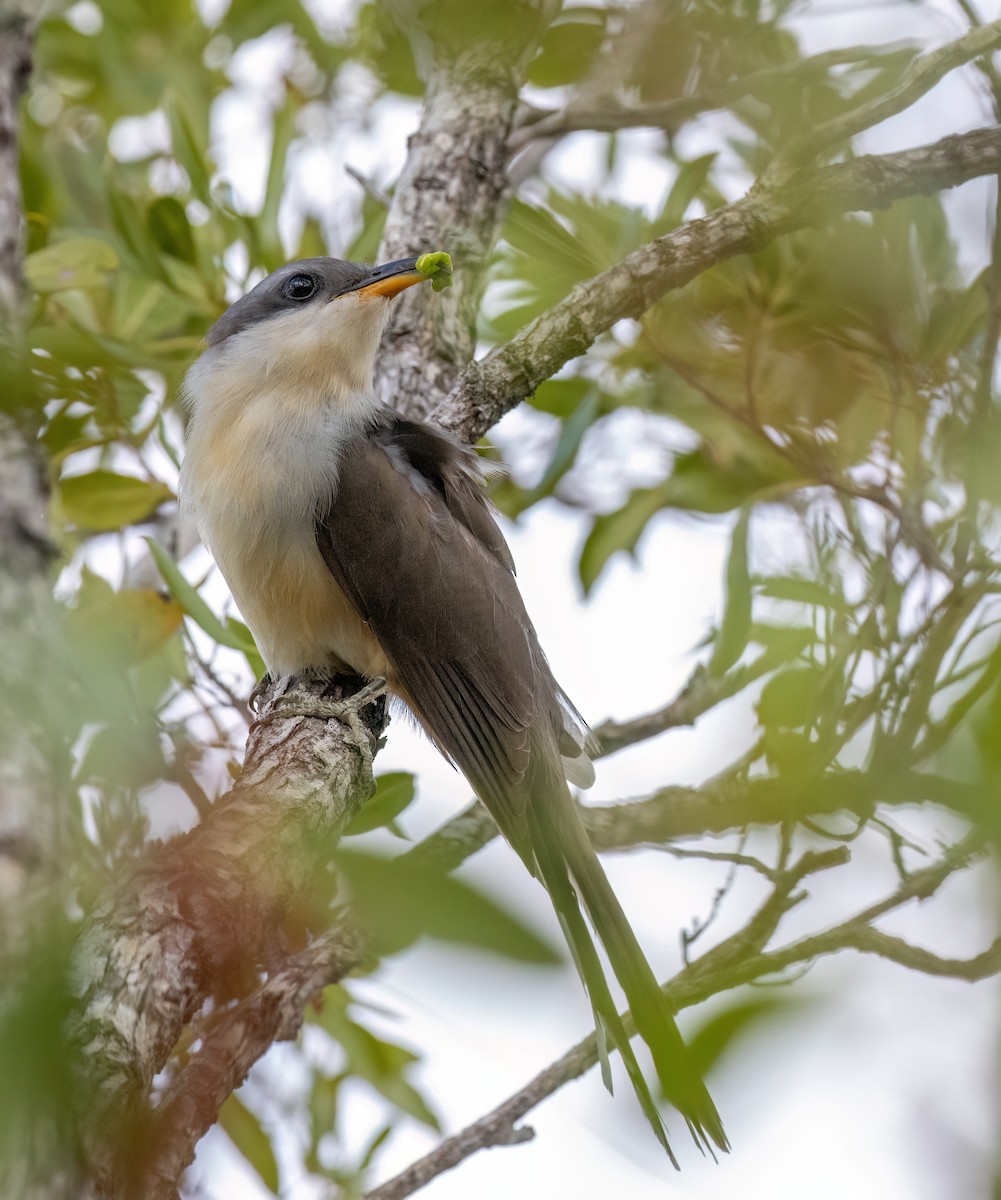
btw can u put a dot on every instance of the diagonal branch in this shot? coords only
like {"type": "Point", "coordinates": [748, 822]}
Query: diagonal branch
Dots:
{"type": "Point", "coordinates": [491, 386]}
{"type": "Point", "coordinates": [473, 828]}
{"type": "Point", "coordinates": [205, 911]}
{"type": "Point", "coordinates": [701, 693]}
{"type": "Point", "coordinates": [719, 806]}
{"type": "Point", "coordinates": [234, 1041]}
{"type": "Point", "coordinates": [500, 1127]}
{"type": "Point", "coordinates": [274, 1012]}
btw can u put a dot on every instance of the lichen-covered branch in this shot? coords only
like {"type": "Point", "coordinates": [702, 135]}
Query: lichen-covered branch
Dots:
{"type": "Point", "coordinates": [27, 819]}
{"type": "Point", "coordinates": [719, 806]}
{"type": "Point", "coordinates": [232, 1044]}
{"type": "Point", "coordinates": [702, 692]}
{"type": "Point", "coordinates": [207, 910]}
{"type": "Point", "coordinates": [452, 196]}
{"type": "Point", "coordinates": [17, 21]}
{"type": "Point", "coordinates": [490, 387]}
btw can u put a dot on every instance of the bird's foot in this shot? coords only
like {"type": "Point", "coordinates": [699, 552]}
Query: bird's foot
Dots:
{"type": "Point", "coordinates": [296, 705]}
{"type": "Point", "coordinates": [259, 695]}
{"type": "Point", "coordinates": [290, 704]}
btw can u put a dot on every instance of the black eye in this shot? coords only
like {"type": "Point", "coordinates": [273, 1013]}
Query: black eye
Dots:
{"type": "Point", "coordinates": [299, 287]}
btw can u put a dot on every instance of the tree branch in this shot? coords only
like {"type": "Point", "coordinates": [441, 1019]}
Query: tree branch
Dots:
{"type": "Point", "coordinates": [670, 114]}
{"type": "Point", "coordinates": [812, 196]}
{"type": "Point", "coordinates": [452, 195]}
{"type": "Point", "coordinates": [28, 751]}
{"type": "Point", "coordinates": [701, 693]}
{"type": "Point", "coordinates": [17, 39]}
{"type": "Point", "coordinates": [232, 1044]}
{"type": "Point", "coordinates": [719, 806]}
{"type": "Point", "coordinates": [920, 77]}
{"type": "Point", "coordinates": [207, 910]}
{"type": "Point", "coordinates": [500, 1127]}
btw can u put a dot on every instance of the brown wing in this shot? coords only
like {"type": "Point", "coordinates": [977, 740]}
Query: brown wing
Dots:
{"type": "Point", "coordinates": [410, 539]}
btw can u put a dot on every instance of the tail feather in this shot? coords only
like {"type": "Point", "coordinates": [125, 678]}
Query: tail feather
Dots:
{"type": "Point", "coordinates": [608, 1024]}
{"type": "Point", "coordinates": [574, 878]}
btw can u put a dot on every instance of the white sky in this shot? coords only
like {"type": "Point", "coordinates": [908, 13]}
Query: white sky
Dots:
{"type": "Point", "coordinates": [883, 1086]}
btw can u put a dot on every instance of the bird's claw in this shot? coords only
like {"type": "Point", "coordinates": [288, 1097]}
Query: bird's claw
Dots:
{"type": "Point", "coordinates": [347, 711]}
{"type": "Point", "coordinates": [327, 710]}
{"type": "Point", "coordinates": [258, 695]}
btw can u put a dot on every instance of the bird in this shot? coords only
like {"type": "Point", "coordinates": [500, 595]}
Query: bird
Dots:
{"type": "Point", "coordinates": [355, 540]}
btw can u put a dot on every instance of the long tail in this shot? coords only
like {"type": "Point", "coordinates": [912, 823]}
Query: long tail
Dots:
{"type": "Point", "coordinates": [573, 876]}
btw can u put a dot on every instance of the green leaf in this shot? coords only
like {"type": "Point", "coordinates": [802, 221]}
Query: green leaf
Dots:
{"type": "Point", "coordinates": [801, 591]}
{"type": "Point", "coordinates": [244, 642]}
{"type": "Point", "coordinates": [782, 642]}
{"type": "Point", "coordinates": [690, 180]}
{"type": "Point", "coordinates": [567, 445]}
{"type": "Point", "coordinates": [365, 246]}
{"type": "Point", "coordinates": [713, 1039]}
{"type": "Point", "coordinates": [169, 228]}
{"type": "Point", "coordinates": [283, 130]}
{"type": "Point", "coordinates": [399, 900]}
{"type": "Point", "coordinates": [72, 263]}
{"type": "Point", "coordinates": [188, 150]}
{"type": "Point", "coordinates": [103, 500]}
{"type": "Point", "coordinates": [128, 219]}
{"type": "Point", "coordinates": [568, 48]}
{"type": "Point", "coordinates": [375, 1145]}
{"type": "Point", "coordinates": [380, 1063]}
{"type": "Point", "coordinates": [619, 530]}
{"type": "Point", "coordinates": [393, 793]}
{"type": "Point", "coordinates": [699, 484]}
{"type": "Point", "coordinates": [736, 626]}
{"type": "Point", "coordinates": [246, 1134]}
{"type": "Point", "coordinates": [231, 633]}
{"type": "Point", "coordinates": [791, 699]}
{"type": "Point", "coordinates": [64, 433]}
{"type": "Point", "coordinates": [323, 1110]}
{"type": "Point", "coordinates": [561, 397]}
{"type": "Point", "coordinates": [539, 236]}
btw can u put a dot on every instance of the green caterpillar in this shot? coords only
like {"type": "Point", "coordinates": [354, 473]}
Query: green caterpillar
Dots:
{"type": "Point", "coordinates": [437, 266]}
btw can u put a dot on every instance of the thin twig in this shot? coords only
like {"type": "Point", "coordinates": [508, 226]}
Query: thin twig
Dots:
{"type": "Point", "coordinates": [919, 78]}
{"type": "Point", "coordinates": [701, 693]}
{"type": "Point", "coordinates": [669, 114]}
{"type": "Point", "coordinates": [372, 190]}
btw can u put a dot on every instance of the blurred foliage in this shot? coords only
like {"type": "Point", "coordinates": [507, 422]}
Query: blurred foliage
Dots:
{"type": "Point", "coordinates": [837, 385]}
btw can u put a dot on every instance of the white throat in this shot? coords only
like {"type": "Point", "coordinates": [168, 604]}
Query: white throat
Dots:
{"type": "Point", "coordinates": [271, 408]}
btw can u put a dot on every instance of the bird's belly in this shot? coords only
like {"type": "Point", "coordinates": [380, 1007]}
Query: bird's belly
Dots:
{"type": "Point", "coordinates": [253, 485]}
{"type": "Point", "coordinates": [299, 615]}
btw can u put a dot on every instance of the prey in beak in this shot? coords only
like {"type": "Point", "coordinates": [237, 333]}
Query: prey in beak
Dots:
{"type": "Point", "coordinates": [391, 278]}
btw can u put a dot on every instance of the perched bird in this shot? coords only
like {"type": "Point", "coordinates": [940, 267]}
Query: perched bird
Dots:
{"type": "Point", "coordinates": [356, 540]}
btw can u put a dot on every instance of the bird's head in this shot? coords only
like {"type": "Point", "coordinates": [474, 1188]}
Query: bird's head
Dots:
{"type": "Point", "coordinates": [312, 326]}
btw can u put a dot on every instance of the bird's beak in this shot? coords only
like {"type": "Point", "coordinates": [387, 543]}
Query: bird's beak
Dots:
{"type": "Point", "coordinates": [390, 278]}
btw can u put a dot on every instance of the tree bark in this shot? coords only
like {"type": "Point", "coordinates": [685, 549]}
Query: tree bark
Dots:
{"type": "Point", "coordinates": [452, 196]}
{"type": "Point", "coordinates": [207, 911]}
